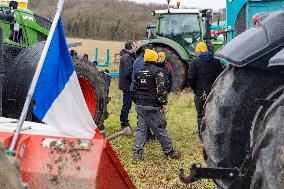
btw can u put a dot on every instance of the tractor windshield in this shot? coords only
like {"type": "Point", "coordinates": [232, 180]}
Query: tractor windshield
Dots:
{"type": "Point", "coordinates": [182, 28]}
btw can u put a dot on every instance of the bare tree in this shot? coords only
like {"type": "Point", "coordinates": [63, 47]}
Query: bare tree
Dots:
{"type": "Point", "coordinates": [101, 19]}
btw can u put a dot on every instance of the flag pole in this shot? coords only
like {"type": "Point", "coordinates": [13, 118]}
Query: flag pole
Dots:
{"type": "Point", "coordinates": [35, 78]}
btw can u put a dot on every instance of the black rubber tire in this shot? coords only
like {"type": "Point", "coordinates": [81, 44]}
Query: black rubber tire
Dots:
{"type": "Point", "coordinates": [179, 67]}
{"type": "Point", "coordinates": [268, 152]}
{"type": "Point", "coordinates": [9, 54]}
{"type": "Point", "coordinates": [101, 87]}
{"type": "Point", "coordinates": [21, 72]}
{"type": "Point", "coordinates": [257, 125]}
{"type": "Point", "coordinates": [229, 112]}
{"type": "Point", "coordinates": [106, 80]}
{"type": "Point", "coordinates": [17, 81]}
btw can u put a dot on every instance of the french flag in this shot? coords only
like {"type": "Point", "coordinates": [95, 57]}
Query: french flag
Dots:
{"type": "Point", "coordinates": [58, 98]}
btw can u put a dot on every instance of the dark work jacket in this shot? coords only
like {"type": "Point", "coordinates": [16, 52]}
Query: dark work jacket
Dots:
{"type": "Point", "coordinates": [149, 86]}
{"type": "Point", "coordinates": [125, 70]}
{"type": "Point", "coordinates": [167, 74]}
{"type": "Point", "coordinates": [202, 72]}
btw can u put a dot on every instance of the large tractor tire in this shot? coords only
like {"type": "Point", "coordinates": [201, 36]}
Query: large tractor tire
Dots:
{"type": "Point", "coordinates": [229, 112]}
{"type": "Point", "coordinates": [20, 73]}
{"type": "Point", "coordinates": [268, 152]}
{"type": "Point", "coordinates": [95, 88]}
{"type": "Point", "coordinates": [17, 80]}
{"type": "Point", "coordinates": [177, 66]}
{"type": "Point", "coordinates": [9, 172]}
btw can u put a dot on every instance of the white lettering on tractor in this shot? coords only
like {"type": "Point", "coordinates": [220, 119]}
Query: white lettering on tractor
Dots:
{"type": "Point", "coordinates": [28, 18]}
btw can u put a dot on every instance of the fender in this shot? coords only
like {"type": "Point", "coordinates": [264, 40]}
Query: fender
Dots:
{"type": "Point", "coordinates": [276, 63]}
{"type": "Point", "coordinates": [257, 45]}
{"type": "Point", "coordinates": [163, 41]}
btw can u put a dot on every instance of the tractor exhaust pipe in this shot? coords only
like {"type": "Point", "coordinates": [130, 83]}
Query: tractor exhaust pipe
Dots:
{"type": "Point", "coordinates": [125, 131]}
{"type": "Point", "coordinates": [169, 6]}
{"type": "Point", "coordinates": [207, 15]}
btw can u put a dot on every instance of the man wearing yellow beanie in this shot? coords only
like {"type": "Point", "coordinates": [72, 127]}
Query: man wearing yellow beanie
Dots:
{"type": "Point", "coordinates": [201, 47]}
{"type": "Point", "coordinates": [166, 71]}
{"type": "Point", "coordinates": [150, 96]}
{"type": "Point", "coordinates": [202, 72]}
{"type": "Point", "coordinates": [150, 56]}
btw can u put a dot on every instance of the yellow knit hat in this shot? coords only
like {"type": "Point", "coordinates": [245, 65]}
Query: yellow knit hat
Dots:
{"type": "Point", "coordinates": [201, 47]}
{"type": "Point", "coordinates": [162, 54]}
{"type": "Point", "coordinates": [150, 56]}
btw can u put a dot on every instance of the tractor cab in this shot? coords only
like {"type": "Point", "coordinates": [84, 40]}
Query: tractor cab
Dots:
{"type": "Point", "coordinates": [184, 26]}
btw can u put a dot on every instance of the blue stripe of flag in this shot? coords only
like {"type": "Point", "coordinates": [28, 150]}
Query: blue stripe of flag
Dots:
{"type": "Point", "coordinates": [56, 72]}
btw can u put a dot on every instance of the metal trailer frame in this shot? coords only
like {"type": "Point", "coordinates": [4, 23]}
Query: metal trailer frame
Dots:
{"type": "Point", "coordinates": [240, 14]}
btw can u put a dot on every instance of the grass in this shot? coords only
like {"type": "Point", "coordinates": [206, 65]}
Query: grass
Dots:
{"type": "Point", "coordinates": [155, 171]}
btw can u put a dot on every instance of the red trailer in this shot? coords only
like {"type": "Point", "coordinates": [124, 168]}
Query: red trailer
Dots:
{"type": "Point", "coordinates": [49, 160]}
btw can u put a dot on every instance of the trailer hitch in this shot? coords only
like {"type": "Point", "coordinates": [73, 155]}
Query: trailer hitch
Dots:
{"type": "Point", "coordinates": [197, 173]}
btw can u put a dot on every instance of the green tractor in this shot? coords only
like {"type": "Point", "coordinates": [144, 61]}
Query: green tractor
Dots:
{"type": "Point", "coordinates": [23, 36]}
{"type": "Point", "coordinates": [177, 31]}
{"type": "Point", "coordinates": [21, 27]}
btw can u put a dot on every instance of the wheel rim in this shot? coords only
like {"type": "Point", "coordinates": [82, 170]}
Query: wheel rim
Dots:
{"type": "Point", "coordinates": [89, 94]}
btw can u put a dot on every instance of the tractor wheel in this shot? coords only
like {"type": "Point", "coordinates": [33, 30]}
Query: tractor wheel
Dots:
{"type": "Point", "coordinates": [9, 53]}
{"type": "Point", "coordinates": [20, 74]}
{"type": "Point", "coordinates": [268, 152]}
{"type": "Point", "coordinates": [229, 112]}
{"type": "Point", "coordinates": [17, 81]}
{"type": "Point", "coordinates": [9, 172]}
{"type": "Point", "coordinates": [177, 67]}
{"type": "Point", "coordinates": [94, 88]}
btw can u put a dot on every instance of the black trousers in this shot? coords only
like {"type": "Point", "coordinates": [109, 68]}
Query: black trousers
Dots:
{"type": "Point", "coordinates": [151, 117]}
{"type": "Point", "coordinates": [126, 106]}
{"type": "Point", "coordinates": [199, 103]}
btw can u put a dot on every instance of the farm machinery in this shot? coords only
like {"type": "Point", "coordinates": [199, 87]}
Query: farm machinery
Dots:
{"type": "Point", "coordinates": [24, 33]}
{"type": "Point", "coordinates": [242, 130]}
{"type": "Point", "coordinates": [176, 32]}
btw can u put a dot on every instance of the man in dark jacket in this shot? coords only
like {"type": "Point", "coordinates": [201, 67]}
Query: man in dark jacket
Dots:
{"type": "Point", "coordinates": [166, 71]}
{"type": "Point", "coordinates": [150, 97]}
{"type": "Point", "coordinates": [137, 65]}
{"type": "Point", "coordinates": [202, 72]}
{"type": "Point", "coordinates": [125, 79]}
{"type": "Point", "coordinates": [139, 62]}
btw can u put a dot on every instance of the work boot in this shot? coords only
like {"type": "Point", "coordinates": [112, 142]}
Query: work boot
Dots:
{"type": "Point", "coordinates": [125, 125]}
{"type": "Point", "coordinates": [173, 154]}
{"type": "Point", "coordinates": [138, 156]}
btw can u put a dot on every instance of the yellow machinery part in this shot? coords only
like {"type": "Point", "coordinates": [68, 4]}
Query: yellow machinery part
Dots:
{"type": "Point", "coordinates": [21, 3]}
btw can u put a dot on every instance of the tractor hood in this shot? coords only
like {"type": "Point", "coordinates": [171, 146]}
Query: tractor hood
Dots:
{"type": "Point", "coordinates": [166, 42]}
{"type": "Point", "coordinates": [258, 43]}
{"type": "Point", "coordinates": [276, 63]}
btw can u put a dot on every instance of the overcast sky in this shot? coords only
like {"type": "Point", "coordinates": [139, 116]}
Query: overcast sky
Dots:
{"type": "Point", "coordinates": [215, 4]}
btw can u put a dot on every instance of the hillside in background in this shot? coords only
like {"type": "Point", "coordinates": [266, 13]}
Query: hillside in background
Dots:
{"type": "Point", "coordinates": [100, 19]}
{"type": "Point", "coordinates": [104, 19]}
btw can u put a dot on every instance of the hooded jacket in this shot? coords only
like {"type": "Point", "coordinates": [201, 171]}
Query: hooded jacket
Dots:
{"type": "Point", "coordinates": [125, 70]}
{"type": "Point", "coordinates": [149, 86]}
{"type": "Point", "coordinates": [202, 72]}
{"type": "Point", "coordinates": [167, 74]}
